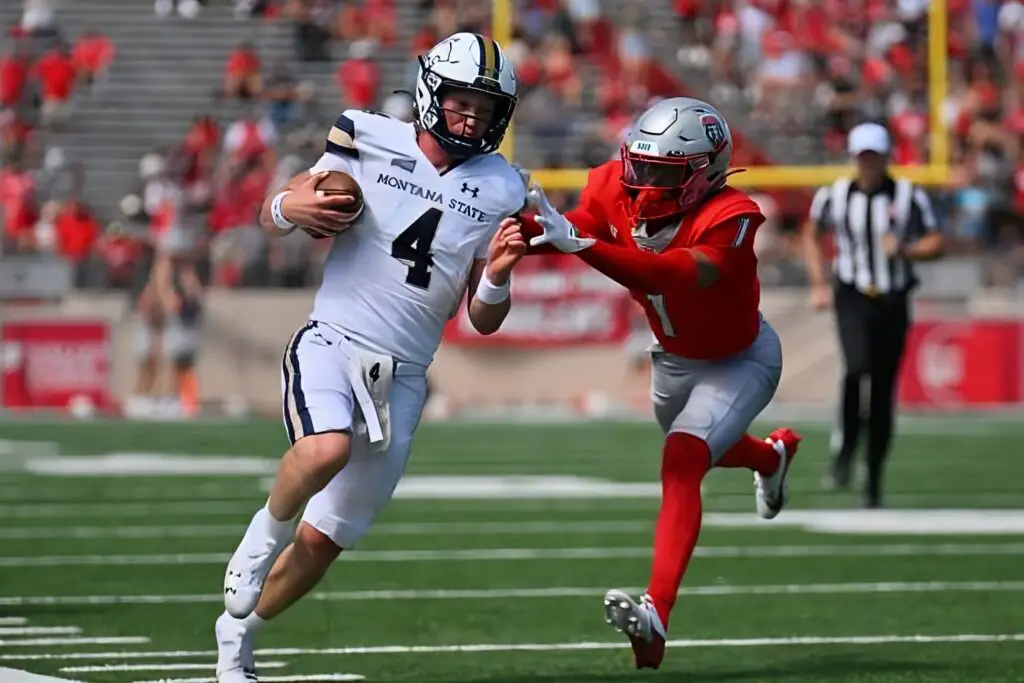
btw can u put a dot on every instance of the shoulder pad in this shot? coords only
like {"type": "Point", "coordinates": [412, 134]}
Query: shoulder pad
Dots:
{"type": "Point", "coordinates": [341, 139]}
{"type": "Point", "coordinates": [728, 203]}
{"type": "Point", "coordinates": [513, 187]}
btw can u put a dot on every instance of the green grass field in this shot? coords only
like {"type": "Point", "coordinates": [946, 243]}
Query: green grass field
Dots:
{"type": "Point", "coordinates": [116, 578]}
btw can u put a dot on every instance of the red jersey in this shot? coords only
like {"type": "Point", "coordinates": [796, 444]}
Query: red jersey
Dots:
{"type": "Point", "coordinates": [708, 323]}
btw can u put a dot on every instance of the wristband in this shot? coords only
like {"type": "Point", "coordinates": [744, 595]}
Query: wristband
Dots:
{"type": "Point", "coordinates": [278, 214]}
{"type": "Point", "coordinates": [490, 293]}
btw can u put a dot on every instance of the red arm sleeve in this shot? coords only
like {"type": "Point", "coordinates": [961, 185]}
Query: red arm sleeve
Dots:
{"type": "Point", "coordinates": [727, 246]}
{"type": "Point", "coordinates": [643, 271]}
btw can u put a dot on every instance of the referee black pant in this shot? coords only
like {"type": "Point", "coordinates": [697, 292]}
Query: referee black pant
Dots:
{"type": "Point", "coordinates": [872, 333]}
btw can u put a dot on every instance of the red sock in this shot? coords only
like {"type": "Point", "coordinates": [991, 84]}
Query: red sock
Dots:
{"type": "Point", "coordinates": [684, 463]}
{"type": "Point", "coordinates": [753, 454]}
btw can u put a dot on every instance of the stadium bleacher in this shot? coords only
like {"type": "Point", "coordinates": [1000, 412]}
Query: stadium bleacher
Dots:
{"type": "Point", "coordinates": [791, 75]}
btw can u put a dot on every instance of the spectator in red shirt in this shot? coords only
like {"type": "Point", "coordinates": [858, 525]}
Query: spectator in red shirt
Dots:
{"type": "Point", "coordinates": [93, 54]}
{"type": "Point", "coordinates": [198, 155]}
{"type": "Point", "coordinates": [381, 20]}
{"type": "Point", "coordinates": [351, 22]}
{"type": "Point", "coordinates": [77, 232]}
{"type": "Point", "coordinates": [57, 74]}
{"type": "Point", "coordinates": [14, 71]}
{"type": "Point", "coordinates": [17, 206]}
{"type": "Point", "coordinates": [910, 129]}
{"type": "Point", "coordinates": [358, 77]}
{"type": "Point", "coordinates": [15, 134]}
{"type": "Point", "coordinates": [242, 73]}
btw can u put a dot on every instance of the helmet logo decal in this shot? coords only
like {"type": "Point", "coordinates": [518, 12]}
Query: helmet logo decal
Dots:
{"type": "Point", "coordinates": [441, 55]}
{"type": "Point", "coordinates": [714, 131]}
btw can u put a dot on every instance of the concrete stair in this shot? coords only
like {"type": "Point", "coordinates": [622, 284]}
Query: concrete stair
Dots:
{"type": "Point", "coordinates": [661, 26]}
{"type": "Point", "coordinates": [165, 73]}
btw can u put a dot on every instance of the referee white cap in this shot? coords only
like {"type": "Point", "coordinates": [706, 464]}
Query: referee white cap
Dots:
{"type": "Point", "coordinates": [868, 137]}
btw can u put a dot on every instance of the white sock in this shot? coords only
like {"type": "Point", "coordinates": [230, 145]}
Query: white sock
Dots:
{"type": "Point", "coordinates": [252, 622]}
{"type": "Point", "coordinates": [270, 527]}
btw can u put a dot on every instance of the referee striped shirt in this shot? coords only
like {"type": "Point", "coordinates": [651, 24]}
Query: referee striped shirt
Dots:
{"type": "Point", "coordinates": [859, 221]}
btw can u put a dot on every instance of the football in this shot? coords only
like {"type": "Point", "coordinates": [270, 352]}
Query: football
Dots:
{"type": "Point", "coordinates": [337, 183]}
{"type": "Point", "coordinates": [340, 183]}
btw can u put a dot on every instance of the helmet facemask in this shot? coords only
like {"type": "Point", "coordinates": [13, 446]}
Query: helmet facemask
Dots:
{"type": "Point", "coordinates": [664, 186]}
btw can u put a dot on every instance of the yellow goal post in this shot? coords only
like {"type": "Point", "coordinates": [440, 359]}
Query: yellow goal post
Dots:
{"type": "Point", "coordinates": [936, 172]}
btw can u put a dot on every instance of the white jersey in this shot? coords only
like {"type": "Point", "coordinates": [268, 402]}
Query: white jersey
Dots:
{"type": "Point", "coordinates": [394, 278]}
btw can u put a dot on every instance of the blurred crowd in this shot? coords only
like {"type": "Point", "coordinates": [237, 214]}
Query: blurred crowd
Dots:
{"type": "Point", "coordinates": [813, 69]}
{"type": "Point", "coordinates": [783, 71]}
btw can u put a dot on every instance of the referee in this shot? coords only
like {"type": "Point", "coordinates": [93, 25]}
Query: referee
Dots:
{"type": "Point", "coordinates": [880, 226]}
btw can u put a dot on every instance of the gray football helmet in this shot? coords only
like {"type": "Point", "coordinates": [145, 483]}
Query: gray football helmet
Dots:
{"type": "Point", "coordinates": [676, 153]}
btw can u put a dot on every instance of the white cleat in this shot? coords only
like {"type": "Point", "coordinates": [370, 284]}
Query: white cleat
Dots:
{"type": "Point", "coordinates": [772, 492]}
{"type": "Point", "coordinates": [245, 575]}
{"type": "Point", "coordinates": [236, 662]}
{"type": "Point", "coordinates": [633, 618]}
{"type": "Point", "coordinates": [641, 623]}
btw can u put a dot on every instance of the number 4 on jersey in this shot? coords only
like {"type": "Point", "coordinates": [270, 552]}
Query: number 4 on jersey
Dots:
{"type": "Point", "coordinates": [412, 248]}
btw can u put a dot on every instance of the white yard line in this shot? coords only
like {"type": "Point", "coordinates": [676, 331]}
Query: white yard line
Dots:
{"type": "Point", "coordinates": [35, 533]}
{"type": "Point", "coordinates": [551, 592]}
{"type": "Point", "coordinates": [39, 631]}
{"type": "Point", "coordinates": [506, 554]}
{"type": "Point", "coordinates": [63, 642]}
{"type": "Point", "coordinates": [908, 522]}
{"type": "Point", "coordinates": [243, 509]}
{"type": "Point", "coordinates": [388, 529]}
{"type": "Point", "coordinates": [121, 509]}
{"type": "Point", "coordinates": [537, 647]}
{"type": "Point", "coordinates": [324, 678]}
{"type": "Point", "coordinates": [13, 621]}
{"type": "Point", "coordinates": [158, 667]}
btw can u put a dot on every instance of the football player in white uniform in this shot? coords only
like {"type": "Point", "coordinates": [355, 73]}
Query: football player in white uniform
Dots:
{"type": "Point", "coordinates": [354, 376]}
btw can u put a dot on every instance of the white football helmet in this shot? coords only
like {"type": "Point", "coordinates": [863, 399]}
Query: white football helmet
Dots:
{"type": "Point", "coordinates": [472, 62]}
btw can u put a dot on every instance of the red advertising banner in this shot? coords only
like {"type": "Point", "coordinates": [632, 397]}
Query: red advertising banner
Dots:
{"type": "Point", "coordinates": [955, 363]}
{"type": "Point", "coordinates": [554, 308]}
{"type": "Point", "coordinates": [50, 363]}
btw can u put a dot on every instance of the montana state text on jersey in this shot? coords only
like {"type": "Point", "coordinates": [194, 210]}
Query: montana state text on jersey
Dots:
{"type": "Point", "coordinates": [393, 279]}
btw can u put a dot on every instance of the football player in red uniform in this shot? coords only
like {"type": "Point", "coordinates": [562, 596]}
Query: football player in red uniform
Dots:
{"type": "Point", "coordinates": [663, 223]}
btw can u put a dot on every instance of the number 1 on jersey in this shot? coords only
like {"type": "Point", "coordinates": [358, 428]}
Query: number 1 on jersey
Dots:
{"type": "Point", "coordinates": [658, 302]}
{"type": "Point", "coordinates": [412, 248]}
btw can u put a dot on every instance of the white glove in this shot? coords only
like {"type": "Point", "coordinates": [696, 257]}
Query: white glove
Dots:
{"type": "Point", "coordinates": [558, 231]}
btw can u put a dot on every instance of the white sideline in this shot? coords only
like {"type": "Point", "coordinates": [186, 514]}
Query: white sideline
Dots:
{"type": "Point", "coordinates": [13, 621]}
{"type": "Point", "coordinates": [549, 592]}
{"type": "Point", "coordinates": [505, 554]}
{"type": "Point", "coordinates": [270, 679]}
{"type": "Point", "coordinates": [17, 676]}
{"type": "Point", "coordinates": [543, 647]}
{"type": "Point", "coordinates": [157, 667]}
